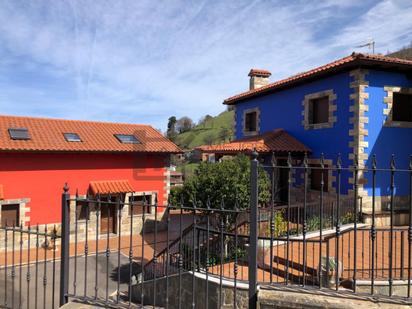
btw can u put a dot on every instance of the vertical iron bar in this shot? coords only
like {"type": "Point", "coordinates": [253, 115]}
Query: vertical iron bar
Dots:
{"type": "Point", "coordinates": [337, 222]}
{"type": "Point", "coordinates": [53, 238]}
{"type": "Point", "coordinates": [199, 247]}
{"type": "Point", "coordinates": [155, 253]}
{"type": "Point", "coordinates": [46, 243]}
{"type": "Point", "coordinates": [193, 256]}
{"type": "Point", "coordinates": [373, 227]}
{"type": "Point", "coordinates": [96, 277]}
{"type": "Point", "coordinates": [391, 224]}
{"type": "Point", "coordinates": [20, 263]}
{"type": "Point", "coordinates": [142, 260]}
{"type": "Point", "coordinates": [355, 218]}
{"type": "Point", "coordinates": [222, 226]}
{"type": "Point", "coordinates": [13, 268]}
{"type": "Point", "coordinates": [289, 170]}
{"type": "Point", "coordinates": [76, 214]}
{"type": "Point", "coordinates": [180, 254]}
{"type": "Point", "coordinates": [131, 249]}
{"type": "Point", "coordinates": [108, 249]}
{"type": "Point", "coordinates": [119, 238]}
{"type": "Point", "coordinates": [410, 228]}
{"type": "Point", "coordinates": [252, 269]}
{"type": "Point", "coordinates": [305, 226]}
{"type": "Point", "coordinates": [5, 265]}
{"type": "Point", "coordinates": [36, 268]}
{"type": "Point", "coordinates": [272, 206]}
{"type": "Point", "coordinates": [86, 245]}
{"type": "Point", "coordinates": [402, 253]}
{"type": "Point", "coordinates": [235, 271]}
{"type": "Point", "coordinates": [167, 256]}
{"type": "Point", "coordinates": [65, 238]}
{"type": "Point", "coordinates": [322, 184]}
{"type": "Point", "coordinates": [207, 252]}
{"type": "Point", "coordinates": [28, 268]}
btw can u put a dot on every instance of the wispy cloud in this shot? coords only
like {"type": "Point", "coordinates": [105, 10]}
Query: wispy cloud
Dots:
{"type": "Point", "coordinates": [142, 61]}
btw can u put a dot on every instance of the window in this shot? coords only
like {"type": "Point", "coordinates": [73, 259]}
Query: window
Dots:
{"type": "Point", "coordinates": [140, 203]}
{"type": "Point", "coordinates": [10, 215]}
{"type": "Point", "coordinates": [402, 107]}
{"type": "Point", "coordinates": [319, 110]}
{"type": "Point", "coordinates": [72, 137]}
{"type": "Point", "coordinates": [127, 138]}
{"type": "Point", "coordinates": [82, 210]}
{"type": "Point", "coordinates": [316, 177]}
{"type": "Point", "coordinates": [19, 133]}
{"type": "Point", "coordinates": [251, 122]}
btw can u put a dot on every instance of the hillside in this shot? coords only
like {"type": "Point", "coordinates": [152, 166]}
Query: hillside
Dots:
{"type": "Point", "coordinates": [214, 130]}
{"type": "Point", "coordinates": [404, 53]}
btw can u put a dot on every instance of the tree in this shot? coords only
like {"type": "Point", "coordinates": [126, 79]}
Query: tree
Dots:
{"type": "Point", "coordinates": [203, 121]}
{"type": "Point", "coordinates": [171, 128]}
{"type": "Point", "coordinates": [184, 124]}
{"type": "Point", "coordinates": [187, 140]}
{"type": "Point", "coordinates": [227, 181]}
{"type": "Point", "coordinates": [225, 134]}
{"type": "Point", "coordinates": [209, 138]}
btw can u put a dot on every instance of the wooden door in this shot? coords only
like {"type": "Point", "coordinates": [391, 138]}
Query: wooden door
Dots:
{"type": "Point", "coordinates": [10, 215]}
{"type": "Point", "coordinates": [108, 217]}
{"type": "Point", "coordinates": [283, 182]}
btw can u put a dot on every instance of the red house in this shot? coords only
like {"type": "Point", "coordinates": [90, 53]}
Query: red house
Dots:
{"type": "Point", "coordinates": [39, 155]}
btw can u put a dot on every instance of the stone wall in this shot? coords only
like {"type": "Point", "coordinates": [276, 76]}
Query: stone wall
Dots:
{"type": "Point", "coordinates": [200, 292]}
{"type": "Point", "coordinates": [125, 218]}
{"type": "Point", "coordinates": [269, 298]}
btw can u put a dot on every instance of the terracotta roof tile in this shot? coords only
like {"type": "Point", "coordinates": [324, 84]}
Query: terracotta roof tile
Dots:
{"type": "Point", "coordinates": [354, 58]}
{"type": "Point", "coordinates": [47, 135]}
{"type": "Point", "coordinates": [1, 192]}
{"type": "Point", "coordinates": [274, 141]}
{"type": "Point", "coordinates": [110, 187]}
{"type": "Point", "coordinates": [261, 72]}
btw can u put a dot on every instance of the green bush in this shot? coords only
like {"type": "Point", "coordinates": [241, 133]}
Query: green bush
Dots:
{"type": "Point", "coordinates": [227, 181]}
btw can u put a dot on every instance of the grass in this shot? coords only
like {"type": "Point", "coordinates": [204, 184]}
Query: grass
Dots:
{"type": "Point", "coordinates": [207, 132]}
{"type": "Point", "coordinates": [187, 169]}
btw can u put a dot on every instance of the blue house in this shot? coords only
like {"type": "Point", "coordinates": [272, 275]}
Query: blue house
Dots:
{"type": "Point", "coordinates": [358, 105]}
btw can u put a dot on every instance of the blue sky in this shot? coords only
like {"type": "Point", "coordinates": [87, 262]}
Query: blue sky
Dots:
{"type": "Point", "coordinates": [142, 61]}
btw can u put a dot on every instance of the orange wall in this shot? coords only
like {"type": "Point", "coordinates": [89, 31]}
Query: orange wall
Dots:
{"type": "Point", "coordinates": [41, 177]}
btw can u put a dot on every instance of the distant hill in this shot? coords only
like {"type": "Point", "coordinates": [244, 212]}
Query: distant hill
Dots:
{"type": "Point", "coordinates": [404, 53]}
{"type": "Point", "coordinates": [213, 130]}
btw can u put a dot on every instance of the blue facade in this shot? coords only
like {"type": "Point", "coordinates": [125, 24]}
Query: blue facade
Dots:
{"type": "Point", "coordinates": [385, 141]}
{"type": "Point", "coordinates": [283, 109]}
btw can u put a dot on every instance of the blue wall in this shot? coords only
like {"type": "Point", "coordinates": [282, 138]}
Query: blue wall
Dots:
{"type": "Point", "coordinates": [385, 141]}
{"type": "Point", "coordinates": [283, 109]}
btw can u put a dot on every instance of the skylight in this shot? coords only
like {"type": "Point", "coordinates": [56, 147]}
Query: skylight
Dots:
{"type": "Point", "coordinates": [19, 133]}
{"type": "Point", "coordinates": [72, 137]}
{"type": "Point", "coordinates": [127, 138]}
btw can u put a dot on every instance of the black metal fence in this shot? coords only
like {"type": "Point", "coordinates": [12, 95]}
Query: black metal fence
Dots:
{"type": "Point", "coordinates": [187, 255]}
{"type": "Point", "coordinates": [29, 267]}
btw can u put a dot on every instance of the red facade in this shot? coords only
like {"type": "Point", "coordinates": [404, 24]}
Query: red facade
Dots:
{"type": "Point", "coordinates": [34, 167]}
{"type": "Point", "coordinates": [41, 177]}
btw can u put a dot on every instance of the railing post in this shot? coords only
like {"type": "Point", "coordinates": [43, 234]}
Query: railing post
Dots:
{"type": "Point", "coordinates": [65, 235]}
{"type": "Point", "coordinates": [253, 231]}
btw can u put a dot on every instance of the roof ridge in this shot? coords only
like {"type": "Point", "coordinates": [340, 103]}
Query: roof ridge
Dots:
{"type": "Point", "coordinates": [322, 68]}
{"type": "Point", "coordinates": [74, 120]}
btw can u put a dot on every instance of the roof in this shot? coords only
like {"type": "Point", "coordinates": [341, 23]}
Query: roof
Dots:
{"type": "Point", "coordinates": [1, 192]}
{"type": "Point", "coordinates": [259, 72]}
{"type": "Point", "coordinates": [273, 141]}
{"type": "Point", "coordinates": [46, 135]}
{"type": "Point", "coordinates": [110, 186]}
{"type": "Point", "coordinates": [354, 60]}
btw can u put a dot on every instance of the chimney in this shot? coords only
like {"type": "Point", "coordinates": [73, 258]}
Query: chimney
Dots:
{"type": "Point", "coordinates": [258, 78]}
